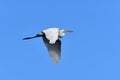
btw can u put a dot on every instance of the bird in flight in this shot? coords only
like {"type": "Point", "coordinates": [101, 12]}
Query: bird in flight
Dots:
{"type": "Point", "coordinates": [51, 39]}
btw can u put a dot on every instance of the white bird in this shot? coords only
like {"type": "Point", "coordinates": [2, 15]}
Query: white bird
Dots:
{"type": "Point", "coordinates": [51, 39]}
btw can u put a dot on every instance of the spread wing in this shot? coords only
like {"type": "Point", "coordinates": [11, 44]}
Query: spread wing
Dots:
{"type": "Point", "coordinates": [53, 49]}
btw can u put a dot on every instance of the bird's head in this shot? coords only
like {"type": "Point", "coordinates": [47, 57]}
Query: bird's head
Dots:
{"type": "Point", "coordinates": [62, 33]}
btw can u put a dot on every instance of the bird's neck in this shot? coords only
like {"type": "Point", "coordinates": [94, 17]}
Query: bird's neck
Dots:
{"type": "Point", "coordinates": [61, 34]}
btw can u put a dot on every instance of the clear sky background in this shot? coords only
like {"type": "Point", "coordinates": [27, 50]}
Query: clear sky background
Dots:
{"type": "Point", "coordinates": [91, 52]}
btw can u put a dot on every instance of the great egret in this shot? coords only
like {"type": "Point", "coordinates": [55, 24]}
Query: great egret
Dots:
{"type": "Point", "coordinates": [51, 39]}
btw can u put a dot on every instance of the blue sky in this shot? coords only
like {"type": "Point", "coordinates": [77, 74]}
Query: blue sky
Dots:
{"type": "Point", "coordinates": [91, 52]}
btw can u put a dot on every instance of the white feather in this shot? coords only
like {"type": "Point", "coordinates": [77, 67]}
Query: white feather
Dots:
{"type": "Point", "coordinates": [51, 34]}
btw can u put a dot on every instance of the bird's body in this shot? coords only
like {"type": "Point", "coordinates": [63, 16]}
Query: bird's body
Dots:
{"type": "Point", "coordinates": [51, 34]}
{"type": "Point", "coordinates": [51, 39]}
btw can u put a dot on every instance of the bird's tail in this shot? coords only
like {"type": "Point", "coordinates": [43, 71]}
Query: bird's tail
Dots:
{"type": "Point", "coordinates": [37, 35]}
